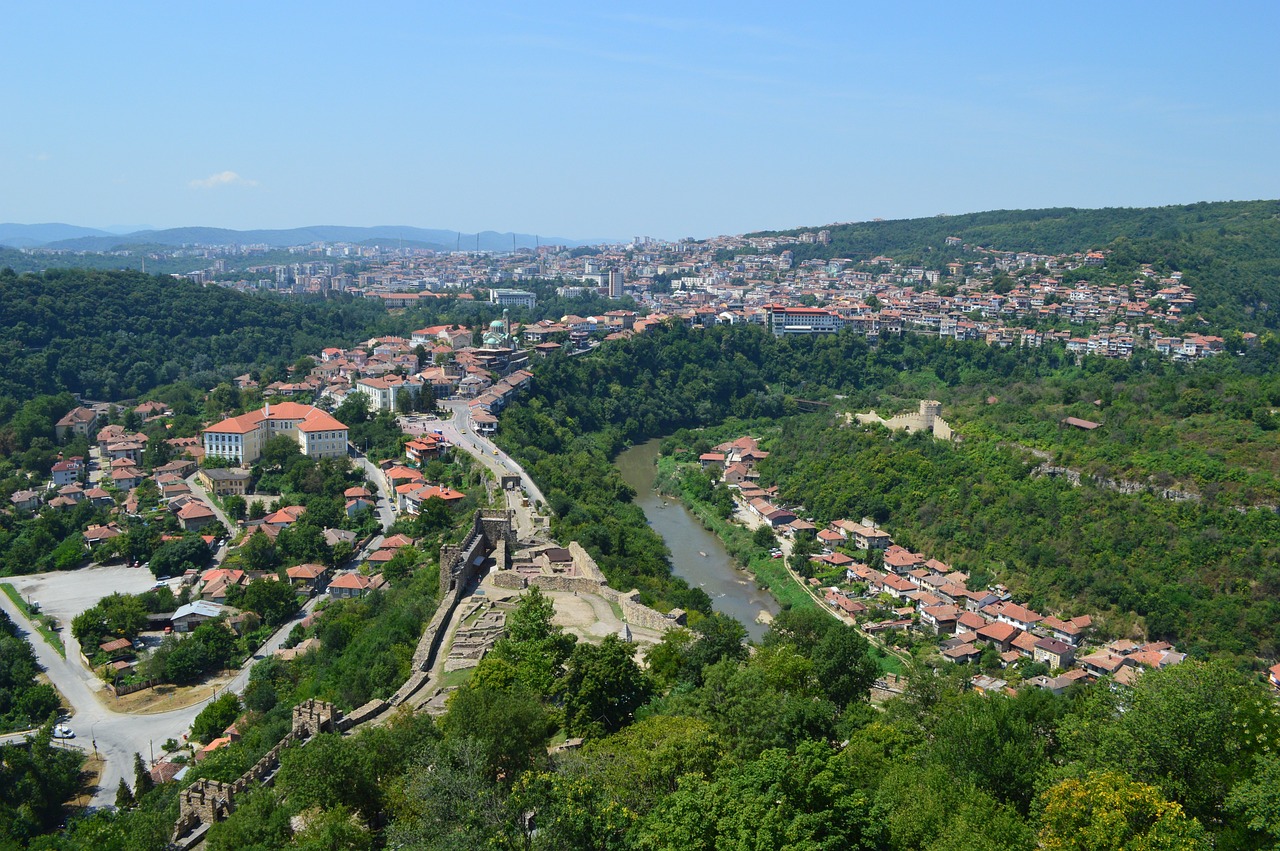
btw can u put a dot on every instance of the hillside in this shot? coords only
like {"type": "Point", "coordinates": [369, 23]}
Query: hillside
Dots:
{"type": "Point", "coordinates": [112, 335]}
{"type": "Point", "coordinates": [1228, 251]}
{"type": "Point", "coordinates": [26, 236]}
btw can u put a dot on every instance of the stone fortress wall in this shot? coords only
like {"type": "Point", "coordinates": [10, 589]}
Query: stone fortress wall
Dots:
{"type": "Point", "coordinates": [928, 418]}
{"type": "Point", "coordinates": [585, 577]}
{"type": "Point", "coordinates": [207, 801]}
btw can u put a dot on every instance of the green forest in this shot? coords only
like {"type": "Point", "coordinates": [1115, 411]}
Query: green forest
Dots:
{"type": "Point", "coordinates": [709, 747]}
{"type": "Point", "coordinates": [115, 335]}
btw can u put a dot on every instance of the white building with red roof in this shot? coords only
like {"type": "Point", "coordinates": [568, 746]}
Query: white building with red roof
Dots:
{"type": "Point", "coordinates": [240, 439]}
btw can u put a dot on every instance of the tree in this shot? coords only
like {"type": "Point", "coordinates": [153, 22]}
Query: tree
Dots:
{"type": "Point", "coordinates": [332, 828]}
{"type": "Point", "coordinates": [142, 782]}
{"type": "Point", "coordinates": [280, 452]}
{"type": "Point", "coordinates": [124, 798]}
{"type": "Point", "coordinates": [603, 688]}
{"type": "Point", "coordinates": [805, 628]}
{"type": "Point", "coordinates": [452, 801]}
{"type": "Point", "coordinates": [258, 553]}
{"type": "Point", "coordinates": [801, 549]}
{"type": "Point", "coordinates": [773, 700]}
{"type": "Point", "coordinates": [114, 616]}
{"type": "Point", "coordinates": [668, 660]}
{"type": "Point", "coordinates": [1256, 801]}
{"type": "Point", "coordinates": [215, 717]}
{"type": "Point", "coordinates": [763, 537]}
{"type": "Point", "coordinates": [719, 637]}
{"type": "Point", "coordinates": [843, 664]}
{"type": "Point", "coordinates": [274, 601]}
{"type": "Point", "coordinates": [330, 770]}
{"type": "Point", "coordinates": [511, 727]}
{"type": "Point", "coordinates": [1191, 730]}
{"type": "Point", "coordinates": [571, 813]}
{"type": "Point", "coordinates": [176, 557]}
{"type": "Point", "coordinates": [782, 799]}
{"type": "Point", "coordinates": [37, 779]}
{"type": "Point", "coordinates": [258, 822]}
{"type": "Point", "coordinates": [642, 763]}
{"type": "Point", "coordinates": [234, 506]}
{"type": "Point", "coordinates": [534, 647]}
{"type": "Point", "coordinates": [1106, 811]}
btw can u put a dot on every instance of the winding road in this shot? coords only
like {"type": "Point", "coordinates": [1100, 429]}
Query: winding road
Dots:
{"type": "Point", "coordinates": [457, 432]}
{"type": "Point", "coordinates": [117, 736]}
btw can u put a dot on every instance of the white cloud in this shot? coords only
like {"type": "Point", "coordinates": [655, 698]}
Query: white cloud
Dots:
{"type": "Point", "coordinates": [222, 178]}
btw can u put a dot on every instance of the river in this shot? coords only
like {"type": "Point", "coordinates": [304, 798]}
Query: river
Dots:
{"type": "Point", "coordinates": [697, 556]}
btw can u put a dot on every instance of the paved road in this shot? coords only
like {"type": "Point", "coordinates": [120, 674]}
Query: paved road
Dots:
{"type": "Point", "coordinates": [118, 736]}
{"type": "Point", "coordinates": [386, 501]}
{"type": "Point", "coordinates": [457, 432]}
{"type": "Point", "coordinates": [203, 495]}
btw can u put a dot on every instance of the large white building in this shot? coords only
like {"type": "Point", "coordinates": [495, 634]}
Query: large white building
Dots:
{"type": "Point", "coordinates": [802, 320]}
{"type": "Point", "coordinates": [240, 439]}
{"type": "Point", "coordinates": [513, 298]}
{"type": "Point", "coordinates": [382, 392]}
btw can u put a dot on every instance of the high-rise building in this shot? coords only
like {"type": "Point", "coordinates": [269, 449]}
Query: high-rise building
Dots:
{"type": "Point", "coordinates": [615, 283]}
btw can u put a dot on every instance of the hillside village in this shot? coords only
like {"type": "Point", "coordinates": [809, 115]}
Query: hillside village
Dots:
{"type": "Point", "coordinates": [913, 594]}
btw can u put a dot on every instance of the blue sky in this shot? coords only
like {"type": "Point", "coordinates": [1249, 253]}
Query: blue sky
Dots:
{"type": "Point", "coordinates": [603, 120]}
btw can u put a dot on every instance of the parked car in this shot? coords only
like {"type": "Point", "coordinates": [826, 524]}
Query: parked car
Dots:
{"type": "Point", "coordinates": [62, 731]}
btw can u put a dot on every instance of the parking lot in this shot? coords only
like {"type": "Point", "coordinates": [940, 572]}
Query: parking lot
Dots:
{"type": "Point", "coordinates": [65, 594]}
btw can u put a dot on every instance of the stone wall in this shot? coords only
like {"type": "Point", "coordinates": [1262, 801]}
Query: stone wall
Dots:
{"type": "Point", "coordinates": [369, 711]}
{"type": "Point", "coordinates": [509, 579]}
{"type": "Point", "coordinates": [121, 691]}
{"type": "Point", "coordinates": [207, 801]}
{"type": "Point", "coordinates": [561, 582]}
{"type": "Point", "coordinates": [315, 716]}
{"type": "Point", "coordinates": [584, 564]}
{"type": "Point", "coordinates": [636, 613]}
{"type": "Point", "coordinates": [492, 533]}
{"type": "Point", "coordinates": [589, 579]}
{"type": "Point", "coordinates": [492, 536]}
{"type": "Point", "coordinates": [928, 418]}
{"type": "Point", "coordinates": [411, 685]}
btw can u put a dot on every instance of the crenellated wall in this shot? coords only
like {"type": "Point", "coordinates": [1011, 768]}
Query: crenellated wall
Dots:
{"type": "Point", "coordinates": [207, 801]}
{"type": "Point", "coordinates": [929, 418]}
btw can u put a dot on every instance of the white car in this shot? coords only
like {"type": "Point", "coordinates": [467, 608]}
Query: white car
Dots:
{"type": "Point", "coordinates": [62, 731]}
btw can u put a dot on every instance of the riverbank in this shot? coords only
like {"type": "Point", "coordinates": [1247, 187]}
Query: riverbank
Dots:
{"type": "Point", "coordinates": [770, 573]}
{"type": "Point", "coordinates": [697, 555]}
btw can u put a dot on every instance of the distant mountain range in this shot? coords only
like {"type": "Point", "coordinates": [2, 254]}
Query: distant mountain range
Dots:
{"type": "Point", "coordinates": [75, 238]}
